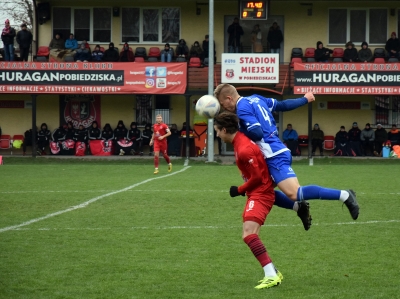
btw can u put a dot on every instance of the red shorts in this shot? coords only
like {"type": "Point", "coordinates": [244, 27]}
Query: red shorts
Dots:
{"type": "Point", "coordinates": [257, 209]}
{"type": "Point", "coordinates": [160, 146]}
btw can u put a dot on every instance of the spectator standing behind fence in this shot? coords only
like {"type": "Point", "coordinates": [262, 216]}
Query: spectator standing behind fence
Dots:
{"type": "Point", "coordinates": [71, 43]}
{"type": "Point", "coordinates": [235, 32]}
{"type": "Point", "coordinates": [275, 37]}
{"type": "Point", "coordinates": [111, 55]}
{"type": "Point", "coordinates": [290, 137]}
{"type": "Point", "coordinates": [350, 53]}
{"type": "Point", "coordinates": [97, 55]}
{"type": "Point", "coordinates": [365, 53]}
{"type": "Point", "coordinates": [317, 139]}
{"type": "Point", "coordinates": [394, 136]}
{"type": "Point", "coordinates": [7, 36]}
{"type": "Point", "coordinates": [322, 54]}
{"type": "Point", "coordinates": [24, 40]}
{"type": "Point", "coordinates": [126, 54]}
{"type": "Point", "coordinates": [256, 39]}
{"type": "Point", "coordinates": [167, 53]}
{"type": "Point", "coordinates": [57, 43]}
{"type": "Point", "coordinates": [354, 139]}
{"type": "Point", "coordinates": [367, 140]}
{"type": "Point", "coordinates": [381, 136]}
{"type": "Point", "coordinates": [393, 46]}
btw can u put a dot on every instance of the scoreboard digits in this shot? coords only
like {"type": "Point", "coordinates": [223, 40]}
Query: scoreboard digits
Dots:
{"type": "Point", "coordinates": [253, 10]}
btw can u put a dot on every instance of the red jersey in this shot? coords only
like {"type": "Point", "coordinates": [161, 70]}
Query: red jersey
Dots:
{"type": "Point", "coordinates": [160, 130]}
{"type": "Point", "coordinates": [251, 163]}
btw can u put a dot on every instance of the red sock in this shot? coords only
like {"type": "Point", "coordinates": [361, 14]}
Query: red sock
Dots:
{"type": "Point", "coordinates": [258, 249]}
{"type": "Point", "coordinates": [156, 161]}
{"type": "Point", "coordinates": [166, 157]}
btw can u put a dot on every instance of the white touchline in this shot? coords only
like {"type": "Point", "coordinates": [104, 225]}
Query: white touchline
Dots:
{"type": "Point", "coordinates": [83, 205]}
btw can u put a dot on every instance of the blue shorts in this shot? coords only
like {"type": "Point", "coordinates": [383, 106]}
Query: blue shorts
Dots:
{"type": "Point", "coordinates": [280, 167]}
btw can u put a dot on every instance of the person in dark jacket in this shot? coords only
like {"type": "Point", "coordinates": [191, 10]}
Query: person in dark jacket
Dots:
{"type": "Point", "coordinates": [350, 54]}
{"type": "Point", "coordinates": [120, 133]}
{"type": "Point", "coordinates": [27, 140]}
{"type": "Point", "coordinates": [365, 53]}
{"type": "Point", "coordinates": [57, 43]}
{"type": "Point", "coordinates": [147, 133]}
{"type": "Point", "coordinates": [205, 46]}
{"type": "Point", "coordinates": [81, 134]}
{"type": "Point", "coordinates": [275, 37]}
{"type": "Point", "coordinates": [82, 54]}
{"type": "Point", "coordinates": [341, 142]}
{"type": "Point", "coordinates": [43, 139]}
{"type": "Point", "coordinates": [317, 139]}
{"type": "Point", "coordinates": [135, 136]}
{"type": "Point", "coordinates": [167, 53]}
{"type": "Point", "coordinates": [97, 55]}
{"type": "Point", "coordinates": [94, 132]}
{"type": "Point", "coordinates": [7, 36]}
{"type": "Point", "coordinates": [182, 50]}
{"type": "Point", "coordinates": [70, 131]}
{"type": "Point", "coordinates": [59, 133]}
{"type": "Point", "coordinates": [394, 136]}
{"type": "Point", "coordinates": [367, 140]}
{"type": "Point", "coordinates": [393, 46]}
{"type": "Point", "coordinates": [235, 32]}
{"type": "Point", "coordinates": [381, 136]}
{"type": "Point", "coordinates": [111, 55]}
{"type": "Point", "coordinates": [322, 54]}
{"type": "Point", "coordinates": [107, 134]}
{"type": "Point", "coordinates": [196, 51]}
{"type": "Point", "coordinates": [354, 140]}
{"type": "Point", "coordinates": [126, 54]}
{"type": "Point", "coordinates": [24, 40]}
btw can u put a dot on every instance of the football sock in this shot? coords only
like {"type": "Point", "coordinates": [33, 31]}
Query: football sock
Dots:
{"type": "Point", "coordinates": [156, 159]}
{"type": "Point", "coordinates": [317, 192]}
{"type": "Point", "coordinates": [282, 201]}
{"type": "Point", "coordinates": [269, 270]}
{"type": "Point", "coordinates": [258, 249]}
{"type": "Point", "coordinates": [166, 157]}
{"type": "Point", "coordinates": [344, 195]}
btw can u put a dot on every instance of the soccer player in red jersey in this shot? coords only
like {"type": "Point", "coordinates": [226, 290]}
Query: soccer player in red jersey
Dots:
{"type": "Point", "coordinates": [258, 187]}
{"type": "Point", "coordinates": [159, 138]}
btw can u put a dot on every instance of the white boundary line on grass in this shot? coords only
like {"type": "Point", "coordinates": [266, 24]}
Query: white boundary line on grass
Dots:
{"type": "Point", "coordinates": [215, 227]}
{"type": "Point", "coordinates": [86, 203]}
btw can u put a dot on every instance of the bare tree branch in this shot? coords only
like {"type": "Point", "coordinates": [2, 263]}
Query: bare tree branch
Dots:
{"type": "Point", "coordinates": [21, 11]}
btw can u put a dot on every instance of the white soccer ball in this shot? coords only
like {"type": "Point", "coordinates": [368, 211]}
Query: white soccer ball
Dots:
{"type": "Point", "coordinates": [208, 106]}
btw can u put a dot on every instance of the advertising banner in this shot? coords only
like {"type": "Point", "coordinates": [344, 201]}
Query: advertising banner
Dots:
{"type": "Point", "coordinates": [93, 78]}
{"type": "Point", "coordinates": [347, 78]}
{"type": "Point", "coordinates": [250, 68]}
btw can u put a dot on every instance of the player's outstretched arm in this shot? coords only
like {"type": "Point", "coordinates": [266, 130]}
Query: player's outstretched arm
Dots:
{"type": "Point", "coordinates": [292, 104]}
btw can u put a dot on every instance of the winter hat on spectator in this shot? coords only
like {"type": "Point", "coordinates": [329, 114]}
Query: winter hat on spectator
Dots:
{"type": "Point", "coordinates": [111, 45]}
{"type": "Point", "coordinates": [7, 21]}
{"type": "Point", "coordinates": [379, 125]}
{"type": "Point", "coordinates": [167, 45]}
{"type": "Point", "coordinates": [316, 125]}
{"type": "Point", "coordinates": [349, 43]}
{"type": "Point", "coordinates": [368, 125]}
{"type": "Point", "coordinates": [342, 127]}
{"type": "Point", "coordinates": [207, 36]}
{"type": "Point", "coordinates": [393, 33]}
{"type": "Point", "coordinates": [364, 43]}
{"type": "Point", "coordinates": [355, 124]}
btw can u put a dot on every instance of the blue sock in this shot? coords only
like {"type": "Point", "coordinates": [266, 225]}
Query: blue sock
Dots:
{"type": "Point", "coordinates": [282, 201]}
{"type": "Point", "coordinates": [317, 192]}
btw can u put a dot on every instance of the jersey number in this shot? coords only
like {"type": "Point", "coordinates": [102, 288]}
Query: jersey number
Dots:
{"type": "Point", "coordinates": [265, 114]}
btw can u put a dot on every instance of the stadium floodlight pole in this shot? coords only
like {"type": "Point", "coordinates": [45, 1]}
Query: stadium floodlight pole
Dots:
{"type": "Point", "coordinates": [210, 127]}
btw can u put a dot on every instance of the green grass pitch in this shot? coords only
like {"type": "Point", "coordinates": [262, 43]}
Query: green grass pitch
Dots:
{"type": "Point", "coordinates": [98, 229]}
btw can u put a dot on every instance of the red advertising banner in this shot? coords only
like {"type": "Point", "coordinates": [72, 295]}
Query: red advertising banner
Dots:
{"type": "Point", "coordinates": [347, 78]}
{"type": "Point", "coordinates": [93, 78]}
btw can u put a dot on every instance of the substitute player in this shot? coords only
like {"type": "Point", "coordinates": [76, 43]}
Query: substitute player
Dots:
{"type": "Point", "coordinates": [258, 187]}
{"type": "Point", "coordinates": [258, 123]}
{"type": "Point", "coordinates": [159, 139]}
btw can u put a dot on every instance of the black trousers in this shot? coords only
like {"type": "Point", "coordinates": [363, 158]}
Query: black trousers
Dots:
{"type": "Point", "coordinates": [368, 147]}
{"type": "Point", "coordinates": [24, 52]}
{"type": "Point", "coordinates": [42, 144]}
{"type": "Point", "coordinates": [27, 142]}
{"type": "Point", "coordinates": [317, 143]}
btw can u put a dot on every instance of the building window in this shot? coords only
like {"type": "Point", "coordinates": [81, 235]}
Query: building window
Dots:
{"type": "Point", "coordinates": [387, 110]}
{"type": "Point", "coordinates": [162, 106]}
{"type": "Point", "coordinates": [150, 25]}
{"type": "Point", "coordinates": [358, 25]}
{"type": "Point", "coordinates": [144, 112]}
{"type": "Point", "coordinates": [91, 24]}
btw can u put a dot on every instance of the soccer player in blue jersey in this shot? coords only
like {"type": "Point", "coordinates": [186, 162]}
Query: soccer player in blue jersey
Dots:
{"type": "Point", "coordinates": [257, 122]}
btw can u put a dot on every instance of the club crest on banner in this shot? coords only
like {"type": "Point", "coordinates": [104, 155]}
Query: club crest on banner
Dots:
{"type": "Point", "coordinates": [80, 110]}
